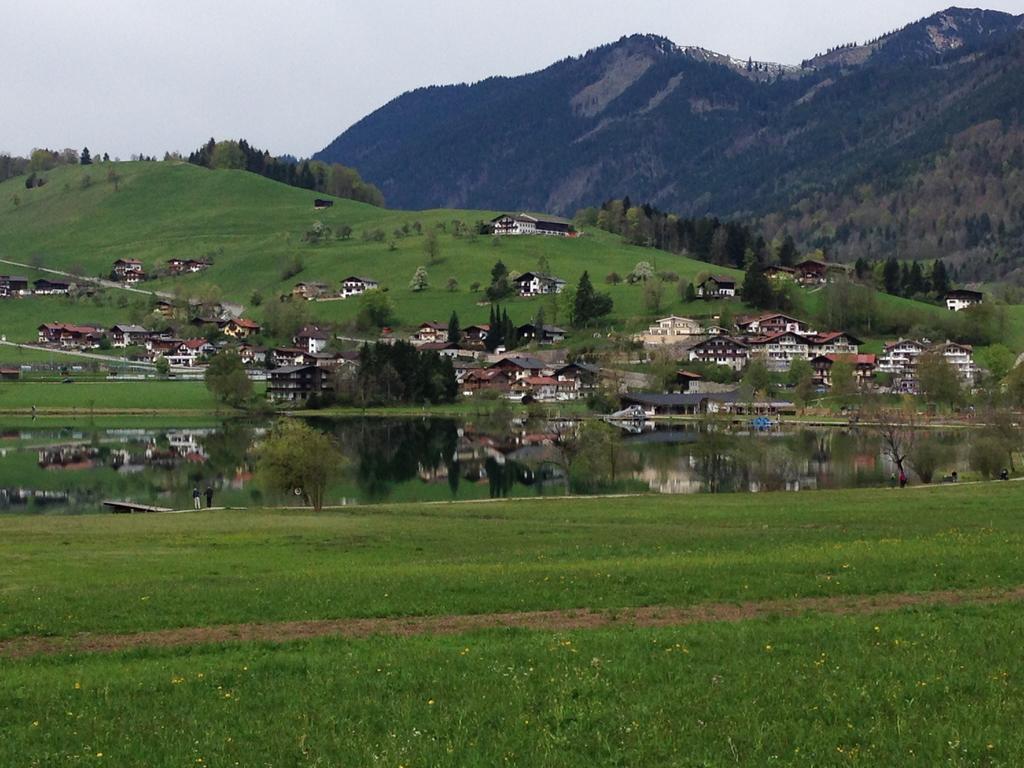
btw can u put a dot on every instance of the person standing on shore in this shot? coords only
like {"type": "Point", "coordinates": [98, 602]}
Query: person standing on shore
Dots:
{"type": "Point", "coordinates": [196, 504]}
{"type": "Point", "coordinates": [209, 496]}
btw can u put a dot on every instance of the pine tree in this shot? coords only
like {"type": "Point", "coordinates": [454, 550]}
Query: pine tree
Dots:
{"type": "Point", "coordinates": [940, 279]}
{"type": "Point", "coordinates": [891, 277]}
{"type": "Point", "coordinates": [583, 304]}
{"type": "Point", "coordinates": [788, 252]}
{"type": "Point", "coordinates": [756, 290]}
{"type": "Point", "coordinates": [454, 331]}
{"type": "Point", "coordinates": [86, 158]}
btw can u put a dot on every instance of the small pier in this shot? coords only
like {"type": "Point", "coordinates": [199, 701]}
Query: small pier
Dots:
{"type": "Point", "coordinates": [131, 508]}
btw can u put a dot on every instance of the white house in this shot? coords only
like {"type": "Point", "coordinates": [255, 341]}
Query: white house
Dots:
{"type": "Point", "coordinates": [538, 284]}
{"type": "Point", "coordinates": [525, 224]}
{"type": "Point", "coordinates": [356, 286]}
{"type": "Point", "coordinates": [958, 301]}
{"type": "Point", "coordinates": [717, 287]}
{"type": "Point", "coordinates": [670, 330]}
{"type": "Point", "coordinates": [188, 353]}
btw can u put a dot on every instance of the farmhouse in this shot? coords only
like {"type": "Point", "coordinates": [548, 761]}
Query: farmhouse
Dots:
{"type": "Point", "coordinates": [958, 301]}
{"type": "Point", "coordinates": [721, 350]}
{"type": "Point", "coordinates": [430, 333]}
{"type": "Point", "coordinates": [240, 328]}
{"type": "Point", "coordinates": [122, 336]}
{"type": "Point", "coordinates": [45, 287]}
{"type": "Point", "coordinates": [357, 286]}
{"type": "Point", "coordinates": [295, 383]}
{"type": "Point", "coordinates": [717, 287]}
{"type": "Point", "coordinates": [771, 323]}
{"type": "Point", "coordinates": [522, 367]}
{"type": "Point", "coordinates": [525, 224]}
{"type": "Point", "coordinates": [186, 266]}
{"type": "Point", "coordinates": [13, 285]}
{"type": "Point", "coordinates": [538, 284]}
{"type": "Point", "coordinates": [864, 367]}
{"type": "Point", "coordinates": [669, 330]}
{"type": "Point", "coordinates": [777, 272]}
{"type": "Point", "coordinates": [476, 334]}
{"type": "Point", "coordinates": [70, 336]}
{"type": "Point", "coordinates": [583, 377]}
{"type": "Point", "coordinates": [319, 204]}
{"type": "Point", "coordinates": [128, 271]}
{"type": "Point", "coordinates": [310, 291]}
{"type": "Point", "coordinates": [312, 339]}
{"type": "Point", "coordinates": [549, 334]}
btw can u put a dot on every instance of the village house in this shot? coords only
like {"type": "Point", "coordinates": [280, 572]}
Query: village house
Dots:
{"type": "Point", "coordinates": [13, 286]}
{"type": "Point", "coordinates": [901, 355]}
{"type": "Point", "coordinates": [525, 224]}
{"type": "Point", "coordinates": [900, 359]}
{"type": "Point", "coordinates": [128, 271]}
{"type": "Point", "coordinates": [312, 338]}
{"type": "Point", "coordinates": [319, 204]}
{"type": "Point", "coordinates": [188, 353]}
{"type": "Point", "coordinates": [186, 266]}
{"type": "Point", "coordinates": [443, 348]}
{"type": "Point", "coordinates": [240, 328]}
{"type": "Point", "coordinates": [864, 368]}
{"type": "Point", "coordinates": [122, 336]}
{"type": "Point", "coordinates": [781, 349]}
{"type": "Point", "coordinates": [488, 379]}
{"type": "Point", "coordinates": [549, 334]}
{"type": "Point", "coordinates": [717, 287]}
{"type": "Point", "coordinates": [310, 291]}
{"type": "Point", "coordinates": [720, 350]}
{"type": "Point", "coordinates": [961, 359]}
{"type": "Point", "coordinates": [296, 383]}
{"type": "Point", "coordinates": [688, 381]}
{"type": "Point", "coordinates": [812, 272]}
{"type": "Point", "coordinates": [463, 368]}
{"type": "Point", "coordinates": [45, 287]}
{"type": "Point", "coordinates": [771, 323]}
{"type": "Point", "coordinates": [251, 355]}
{"type": "Point", "coordinates": [357, 286]}
{"type": "Point", "coordinates": [543, 389]}
{"type": "Point", "coordinates": [958, 301]}
{"type": "Point", "coordinates": [69, 336]}
{"type": "Point", "coordinates": [475, 335]}
{"type": "Point", "coordinates": [523, 367]}
{"type": "Point", "coordinates": [670, 330]}
{"type": "Point", "coordinates": [538, 284]}
{"type": "Point", "coordinates": [282, 357]}
{"type": "Point", "coordinates": [164, 308]}
{"type": "Point", "coordinates": [584, 378]}
{"type": "Point", "coordinates": [777, 272]}
{"type": "Point", "coordinates": [835, 343]}
{"type": "Point", "coordinates": [430, 333]}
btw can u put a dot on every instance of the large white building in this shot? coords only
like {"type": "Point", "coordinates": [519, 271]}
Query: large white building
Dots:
{"type": "Point", "coordinates": [525, 224]}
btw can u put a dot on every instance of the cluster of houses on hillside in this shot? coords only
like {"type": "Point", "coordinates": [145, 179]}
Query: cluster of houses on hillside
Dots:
{"type": "Point", "coordinates": [349, 287]}
{"type": "Point", "coordinates": [14, 286]}
{"type": "Point", "coordinates": [779, 339]}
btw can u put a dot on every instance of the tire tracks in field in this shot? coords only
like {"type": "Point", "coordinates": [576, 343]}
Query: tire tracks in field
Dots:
{"type": "Point", "coordinates": [540, 621]}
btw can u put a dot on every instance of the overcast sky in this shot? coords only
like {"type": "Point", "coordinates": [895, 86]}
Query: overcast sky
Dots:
{"type": "Point", "coordinates": [131, 76]}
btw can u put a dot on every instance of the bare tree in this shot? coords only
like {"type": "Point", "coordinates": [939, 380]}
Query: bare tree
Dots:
{"type": "Point", "coordinates": [897, 431]}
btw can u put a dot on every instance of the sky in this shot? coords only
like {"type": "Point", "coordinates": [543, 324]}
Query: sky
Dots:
{"type": "Point", "coordinates": [145, 76]}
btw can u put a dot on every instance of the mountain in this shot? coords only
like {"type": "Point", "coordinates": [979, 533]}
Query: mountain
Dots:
{"type": "Point", "coordinates": [698, 132]}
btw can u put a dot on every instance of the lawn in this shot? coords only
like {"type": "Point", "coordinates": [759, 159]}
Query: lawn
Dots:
{"type": "Point", "coordinates": [85, 397]}
{"type": "Point", "coordinates": [916, 686]}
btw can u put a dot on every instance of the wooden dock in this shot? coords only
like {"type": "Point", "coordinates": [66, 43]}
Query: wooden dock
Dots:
{"type": "Point", "coordinates": [130, 507]}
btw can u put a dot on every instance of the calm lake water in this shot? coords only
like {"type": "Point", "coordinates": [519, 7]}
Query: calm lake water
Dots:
{"type": "Point", "coordinates": [52, 469]}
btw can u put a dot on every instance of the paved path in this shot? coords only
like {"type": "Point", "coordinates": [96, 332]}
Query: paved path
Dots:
{"type": "Point", "coordinates": [542, 621]}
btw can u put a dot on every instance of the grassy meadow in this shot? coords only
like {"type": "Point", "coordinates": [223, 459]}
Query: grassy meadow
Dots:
{"type": "Point", "coordinates": [85, 397]}
{"type": "Point", "coordinates": [915, 686]}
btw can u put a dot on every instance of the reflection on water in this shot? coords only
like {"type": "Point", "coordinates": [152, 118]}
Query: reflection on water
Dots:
{"type": "Point", "coordinates": [52, 469]}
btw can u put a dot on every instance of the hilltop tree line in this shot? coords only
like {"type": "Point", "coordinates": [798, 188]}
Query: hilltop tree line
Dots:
{"type": "Point", "coordinates": [42, 159]}
{"type": "Point", "coordinates": [331, 179]}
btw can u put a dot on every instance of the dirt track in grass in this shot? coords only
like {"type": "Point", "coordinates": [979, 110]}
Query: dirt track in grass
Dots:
{"type": "Point", "coordinates": [543, 621]}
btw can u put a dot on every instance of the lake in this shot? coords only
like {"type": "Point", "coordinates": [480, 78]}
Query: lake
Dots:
{"type": "Point", "coordinates": [48, 468]}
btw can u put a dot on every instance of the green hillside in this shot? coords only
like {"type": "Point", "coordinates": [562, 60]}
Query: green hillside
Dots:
{"type": "Point", "coordinates": [253, 228]}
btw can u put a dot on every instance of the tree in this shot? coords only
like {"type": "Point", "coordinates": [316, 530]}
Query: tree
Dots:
{"type": "Point", "coordinates": [228, 155]}
{"type": "Point", "coordinates": [801, 377]}
{"type": "Point", "coordinates": [940, 279]}
{"type": "Point", "coordinates": [757, 378]}
{"type": "Point", "coordinates": [454, 331]}
{"type": "Point", "coordinates": [897, 433]}
{"type": "Point", "coordinates": [375, 311]}
{"type": "Point", "coordinates": [653, 293]}
{"type": "Point", "coordinates": [926, 456]}
{"type": "Point", "coordinates": [787, 252]}
{"type": "Point", "coordinates": [419, 280]}
{"type": "Point", "coordinates": [163, 368]}
{"type": "Point", "coordinates": [642, 272]}
{"type": "Point", "coordinates": [596, 456]}
{"type": "Point", "coordinates": [226, 378]}
{"type": "Point", "coordinates": [86, 158]}
{"type": "Point", "coordinates": [295, 458]}
{"type": "Point", "coordinates": [114, 178]}
{"type": "Point", "coordinates": [452, 285]}
{"type": "Point", "coordinates": [588, 304]}
{"type": "Point", "coordinates": [690, 294]}
{"type": "Point", "coordinates": [844, 382]}
{"type": "Point", "coordinates": [939, 381]}
{"type": "Point", "coordinates": [891, 276]}
{"type": "Point", "coordinates": [432, 248]}
{"type": "Point", "coordinates": [757, 290]}
{"type": "Point", "coordinates": [500, 287]}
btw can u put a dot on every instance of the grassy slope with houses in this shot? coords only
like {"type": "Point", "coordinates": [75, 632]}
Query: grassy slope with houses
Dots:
{"type": "Point", "coordinates": [254, 227]}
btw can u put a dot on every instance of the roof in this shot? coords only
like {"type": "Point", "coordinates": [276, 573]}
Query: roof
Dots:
{"type": "Point", "coordinates": [964, 293]}
{"type": "Point", "coordinates": [689, 375]}
{"type": "Point", "coordinates": [195, 343]}
{"type": "Point", "coordinates": [721, 279]}
{"type": "Point", "coordinates": [854, 359]}
{"type": "Point", "coordinates": [357, 279]}
{"type": "Point", "coordinates": [130, 329]}
{"type": "Point", "coordinates": [312, 332]}
{"type": "Point", "coordinates": [288, 369]}
{"type": "Point", "coordinates": [128, 261]}
{"type": "Point", "coordinates": [585, 367]}
{"type": "Point", "coordinates": [823, 338]}
{"type": "Point", "coordinates": [539, 276]}
{"type": "Point", "coordinates": [718, 340]}
{"type": "Point", "coordinates": [521, 361]}
{"type": "Point", "coordinates": [683, 399]}
{"type": "Point", "coordinates": [541, 381]}
{"type": "Point", "coordinates": [242, 322]}
{"type": "Point", "coordinates": [437, 346]}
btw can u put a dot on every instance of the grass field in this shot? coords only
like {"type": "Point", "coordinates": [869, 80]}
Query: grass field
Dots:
{"type": "Point", "coordinates": [923, 686]}
{"type": "Point", "coordinates": [85, 397]}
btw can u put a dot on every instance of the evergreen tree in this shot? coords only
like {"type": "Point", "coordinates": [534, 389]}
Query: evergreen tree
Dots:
{"type": "Point", "coordinates": [756, 290]}
{"type": "Point", "coordinates": [495, 337]}
{"type": "Point", "coordinates": [86, 158]}
{"type": "Point", "coordinates": [500, 286]}
{"type": "Point", "coordinates": [904, 279]}
{"type": "Point", "coordinates": [861, 268]}
{"type": "Point", "coordinates": [589, 305]}
{"type": "Point", "coordinates": [454, 331]}
{"type": "Point", "coordinates": [940, 279]}
{"type": "Point", "coordinates": [917, 282]}
{"type": "Point", "coordinates": [891, 276]}
{"type": "Point", "coordinates": [788, 252]}
{"type": "Point", "coordinates": [691, 294]}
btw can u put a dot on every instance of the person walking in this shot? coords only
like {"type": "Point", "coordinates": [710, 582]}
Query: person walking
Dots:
{"type": "Point", "coordinates": [903, 479]}
{"type": "Point", "coordinates": [195, 498]}
{"type": "Point", "coordinates": [209, 496]}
